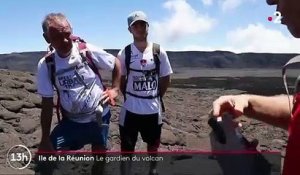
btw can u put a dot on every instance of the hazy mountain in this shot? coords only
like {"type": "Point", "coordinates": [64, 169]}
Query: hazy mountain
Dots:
{"type": "Point", "coordinates": [27, 61]}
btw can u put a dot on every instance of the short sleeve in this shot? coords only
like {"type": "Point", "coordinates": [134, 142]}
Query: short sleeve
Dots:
{"type": "Point", "coordinates": [44, 84]}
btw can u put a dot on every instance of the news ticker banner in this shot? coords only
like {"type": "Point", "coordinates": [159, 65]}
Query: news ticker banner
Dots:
{"type": "Point", "coordinates": [168, 163]}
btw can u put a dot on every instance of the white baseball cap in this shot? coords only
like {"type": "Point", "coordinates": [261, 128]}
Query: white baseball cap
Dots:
{"type": "Point", "coordinates": [136, 16]}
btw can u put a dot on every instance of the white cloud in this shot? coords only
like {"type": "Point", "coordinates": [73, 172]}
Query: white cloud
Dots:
{"type": "Point", "coordinates": [207, 2]}
{"type": "Point", "coordinates": [184, 21]}
{"type": "Point", "coordinates": [254, 38]}
{"type": "Point", "coordinates": [258, 38]}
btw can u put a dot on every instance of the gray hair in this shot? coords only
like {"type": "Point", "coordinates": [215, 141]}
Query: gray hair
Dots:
{"type": "Point", "coordinates": [52, 17]}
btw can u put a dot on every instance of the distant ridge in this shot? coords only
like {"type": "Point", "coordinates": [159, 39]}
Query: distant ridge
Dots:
{"type": "Point", "coordinates": [27, 61]}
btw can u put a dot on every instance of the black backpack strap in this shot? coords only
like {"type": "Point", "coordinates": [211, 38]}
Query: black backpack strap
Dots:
{"type": "Point", "coordinates": [143, 97]}
{"type": "Point", "coordinates": [51, 67]}
{"type": "Point", "coordinates": [127, 66]}
{"type": "Point", "coordinates": [89, 60]}
{"type": "Point", "coordinates": [86, 56]}
{"type": "Point", "coordinates": [127, 57]}
{"type": "Point", "coordinates": [50, 61]}
{"type": "Point", "coordinates": [156, 53]}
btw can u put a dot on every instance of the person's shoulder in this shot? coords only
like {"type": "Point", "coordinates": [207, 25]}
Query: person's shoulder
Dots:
{"type": "Point", "coordinates": [122, 51]}
{"type": "Point", "coordinates": [158, 44]}
{"type": "Point", "coordinates": [42, 61]}
{"type": "Point", "coordinates": [45, 58]}
{"type": "Point", "coordinates": [127, 45]}
{"type": "Point", "coordinates": [42, 64]}
{"type": "Point", "coordinates": [161, 48]}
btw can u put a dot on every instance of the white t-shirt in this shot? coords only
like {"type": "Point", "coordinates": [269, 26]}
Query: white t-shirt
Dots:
{"type": "Point", "coordinates": [79, 87]}
{"type": "Point", "coordinates": [141, 84]}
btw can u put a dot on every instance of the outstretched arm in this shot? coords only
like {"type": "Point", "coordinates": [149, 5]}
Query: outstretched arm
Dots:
{"type": "Point", "coordinates": [274, 110]}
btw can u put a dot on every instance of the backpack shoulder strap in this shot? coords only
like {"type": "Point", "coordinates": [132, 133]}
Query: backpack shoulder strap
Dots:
{"type": "Point", "coordinates": [127, 63]}
{"type": "Point", "coordinates": [86, 55]}
{"type": "Point", "coordinates": [127, 57]}
{"type": "Point", "coordinates": [156, 48]}
{"type": "Point", "coordinates": [50, 61]}
{"type": "Point", "coordinates": [156, 53]}
{"type": "Point", "coordinates": [92, 65]}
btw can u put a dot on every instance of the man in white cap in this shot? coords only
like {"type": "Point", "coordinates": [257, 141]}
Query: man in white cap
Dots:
{"type": "Point", "coordinates": [145, 78]}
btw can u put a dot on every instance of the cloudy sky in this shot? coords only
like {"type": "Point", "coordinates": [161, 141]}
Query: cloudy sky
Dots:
{"type": "Point", "coordinates": [204, 25]}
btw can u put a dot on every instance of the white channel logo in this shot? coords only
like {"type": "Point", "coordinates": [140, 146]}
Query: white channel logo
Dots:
{"type": "Point", "coordinates": [18, 157]}
{"type": "Point", "coordinates": [278, 17]}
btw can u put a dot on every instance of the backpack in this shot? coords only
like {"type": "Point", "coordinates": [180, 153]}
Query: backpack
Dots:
{"type": "Point", "coordinates": [156, 53]}
{"type": "Point", "coordinates": [86, 56]}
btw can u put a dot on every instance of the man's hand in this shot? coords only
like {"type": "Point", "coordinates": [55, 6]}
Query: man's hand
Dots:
{"type": "Point", "coordinates": [109, 96]}
{"type": "Point", "coordinates": [234, 104]}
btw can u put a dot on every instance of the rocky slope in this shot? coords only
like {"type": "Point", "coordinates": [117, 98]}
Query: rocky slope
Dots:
{"type": "Point", "coordinates": [185, 125]}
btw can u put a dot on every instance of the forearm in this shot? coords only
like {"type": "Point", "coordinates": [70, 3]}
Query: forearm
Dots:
{"type": "Point", "coordinates": [273, 110]}
{"type": "Point", "coordinates": [46, 117]}
{"type": "Point", "coordinates": [164, 83]}
{"type": "Point", "coordinates": [116, 75]}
